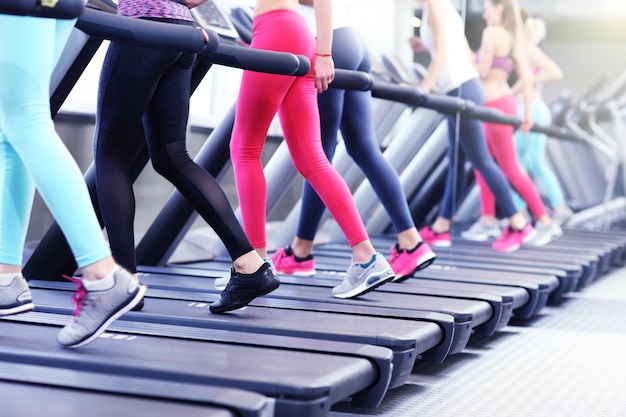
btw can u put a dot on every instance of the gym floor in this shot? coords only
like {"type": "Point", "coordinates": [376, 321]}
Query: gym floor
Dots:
{"type": "Point", "coordinates": [569, 361]}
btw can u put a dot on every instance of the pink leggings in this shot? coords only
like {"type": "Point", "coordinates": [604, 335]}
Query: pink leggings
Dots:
{"type": "Point", "coordinates": [295, 100]}
{"type": "Point", "coordinates": [502, 147]}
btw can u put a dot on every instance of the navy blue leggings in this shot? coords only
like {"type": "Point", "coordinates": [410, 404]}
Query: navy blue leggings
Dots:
{"type": "Point", "coordinates": [473, 148]}
{"type": "Point", "coordinates": [152, 86]}
{"type": "Point", "coordinates": [351, 112]}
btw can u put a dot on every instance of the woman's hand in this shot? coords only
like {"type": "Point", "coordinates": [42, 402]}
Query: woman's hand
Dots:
{"type": "Point", "coordinates": [416, 45]}
{"type": "Point", "coordinates": [527, 123]}
{"type": "Point", "coordinates": [323, 72]}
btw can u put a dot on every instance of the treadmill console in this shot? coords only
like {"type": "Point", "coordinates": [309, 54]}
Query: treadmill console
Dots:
{"type": "Point", "coordinates": [210, 15]}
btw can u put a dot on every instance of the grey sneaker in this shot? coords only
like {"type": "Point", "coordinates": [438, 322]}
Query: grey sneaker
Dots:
{"type": "Point", "coordinates": [221, 282]}
{"type": "Point", "coordinates": [545, 233]}
{"type": "Point", "coordinates": [562, 215]}
{"type": "Point", "coordinates": [16, 297]}
{"type": "Point", "coordinates": [363, 278]}
{"type": "Point", "coordinates": [96, 310]}
{"type": "Point", "coordinates": [481, 231]}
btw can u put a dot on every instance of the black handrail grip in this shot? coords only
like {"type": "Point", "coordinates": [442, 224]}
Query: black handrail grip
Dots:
{"type": "Point", "coordinates": [352, 80]}
{"type": "Point", "coordinates": [146, 32]}
{"type": "Point", "coordinates": [257, 60]}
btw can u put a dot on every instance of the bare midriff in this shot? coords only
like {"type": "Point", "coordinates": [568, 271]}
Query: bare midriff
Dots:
{"type": "Point", "coordinates": [264, 6]}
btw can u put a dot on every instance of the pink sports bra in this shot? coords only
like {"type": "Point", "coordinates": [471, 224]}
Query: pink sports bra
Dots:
{"type": "Point", "coordinates": [505, 63]}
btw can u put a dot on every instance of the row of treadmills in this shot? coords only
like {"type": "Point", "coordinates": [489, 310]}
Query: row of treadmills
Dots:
{"type": "Point", "coordinates": [298, 351]}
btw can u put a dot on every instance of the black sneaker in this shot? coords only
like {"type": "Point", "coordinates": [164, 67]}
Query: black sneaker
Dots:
{"type": "Point", "coordinates": [243, 288]}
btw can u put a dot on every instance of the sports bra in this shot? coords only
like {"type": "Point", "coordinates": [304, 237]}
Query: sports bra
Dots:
{"type": "Point", "coordinates": [505, 63]}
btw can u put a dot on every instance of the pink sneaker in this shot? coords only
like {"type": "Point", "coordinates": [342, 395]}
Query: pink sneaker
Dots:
{"type": "Point", "coordinates": [434, 238]}
{"type": "Point", "coordinates": [404, 262]}
{"type": "Point", "coordinates": [287, 263]}
{"type": "Point", "coordinates": [511, 240]}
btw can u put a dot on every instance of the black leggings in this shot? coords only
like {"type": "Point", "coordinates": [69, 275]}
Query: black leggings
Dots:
{"type": "Point", "coordinates": [151, 86]}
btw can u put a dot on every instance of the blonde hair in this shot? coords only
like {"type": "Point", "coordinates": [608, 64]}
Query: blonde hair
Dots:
{"type": "Point", "coordinates": [534, 27]}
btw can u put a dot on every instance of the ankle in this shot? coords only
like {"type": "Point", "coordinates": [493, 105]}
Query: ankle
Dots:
{"type": "Point", "coordinates": [441, 225]}
{"type": "Point", "coordinates": [411, 249]}
{"type": "Point", "coordinates": [248, 263]}
{"type": "Point", "coordinates": [301, 248]}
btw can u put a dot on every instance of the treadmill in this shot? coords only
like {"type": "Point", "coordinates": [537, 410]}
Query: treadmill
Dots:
{"type": "Point", "coordinates": [326, 372]}
{"type": "Point", "coordinates": [187, 307]}
{"type": "Point", "coordinates": [337, 370]}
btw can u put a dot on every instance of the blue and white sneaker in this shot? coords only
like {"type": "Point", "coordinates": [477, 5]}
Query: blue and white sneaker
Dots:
{"type": "Point", "coordinates": [363, 278]}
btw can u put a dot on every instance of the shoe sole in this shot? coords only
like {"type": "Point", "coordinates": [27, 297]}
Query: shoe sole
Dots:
{"type": "Point", "coordinates": [364, 289]}
{"type": "Point", "coordinates": [140, 305]}
{"type": "Point", "coordinates": [478, 238]}
{"type": "Point", "coordinates": [547, 239]}
{"type": "Point", "coordinates": [129, 306]}
{"type": "Point", "coordinates": [17, 310]}
{"type": "Point", "coordinates": [298, 273]}
{"type": "Point", "coordinates": [244, 303]}
{"type": "Point", "coordinates": [442, 243]}
{"type": "Point", "coordinates": [423, 263]}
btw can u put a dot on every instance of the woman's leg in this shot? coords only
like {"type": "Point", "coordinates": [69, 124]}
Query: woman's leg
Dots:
{"type": "Point", "coordinates": [502, 146]}
{"type": "Point", "coordinates": [535, 157]}
{"type": "Point", "coordinates": [129, 78]}
{"type": "Point", "coordinates": [27, 62]}
{"type": "Point", "coordinates": [28, 128]}
{"type": "Point", "coordinates": [299, 117]}
{"type": "Point", "coordinates": [165, 123]}
{"type": "Point", "coordinates": [352, 111]}
{"type": "Point", "coordinates": [259, 98]}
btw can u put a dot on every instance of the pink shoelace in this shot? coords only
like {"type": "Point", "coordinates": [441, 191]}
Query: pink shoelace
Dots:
{"type": "Point", "coordinates": [79, 296]}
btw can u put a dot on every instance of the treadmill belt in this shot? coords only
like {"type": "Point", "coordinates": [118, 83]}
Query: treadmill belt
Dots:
{"type": "Point", "coordinates": [88, 401]}
{"type": "Point", "coordinates": [406, 339]}
{"type": "Point", "coordinates": [320, 378]}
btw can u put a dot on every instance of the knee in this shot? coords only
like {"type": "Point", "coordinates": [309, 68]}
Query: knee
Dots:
{"type": "Point", "coordinates": [533, 165]}
{"type": "Point", "coordinates": [313, 168]}
{"type": "Point", "coordinates": [240, 153]}
{"type": "Point", "coordinates": [162, 166]}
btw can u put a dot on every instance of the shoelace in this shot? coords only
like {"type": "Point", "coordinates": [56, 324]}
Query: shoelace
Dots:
{"type": "Point", "coordinates": [79, 296]}
{"type": "Point", "coordinates": [229, 283]}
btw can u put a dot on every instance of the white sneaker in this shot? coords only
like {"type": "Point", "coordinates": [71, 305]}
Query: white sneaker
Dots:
{"type": "Point", "coordinates": [562, 215]}
{"type": "Point", "coordinates": [546, 233]}
{"type": "Point", "coordinates": [362, 278]}
{"type": "Point", "coordinates": [481, 231]}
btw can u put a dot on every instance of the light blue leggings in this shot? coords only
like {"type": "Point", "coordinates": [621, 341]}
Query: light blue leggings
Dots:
{"type": "Point", "coordinates": [31, 153]}
{"type": "Point", "coordinates": [531, 150]}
